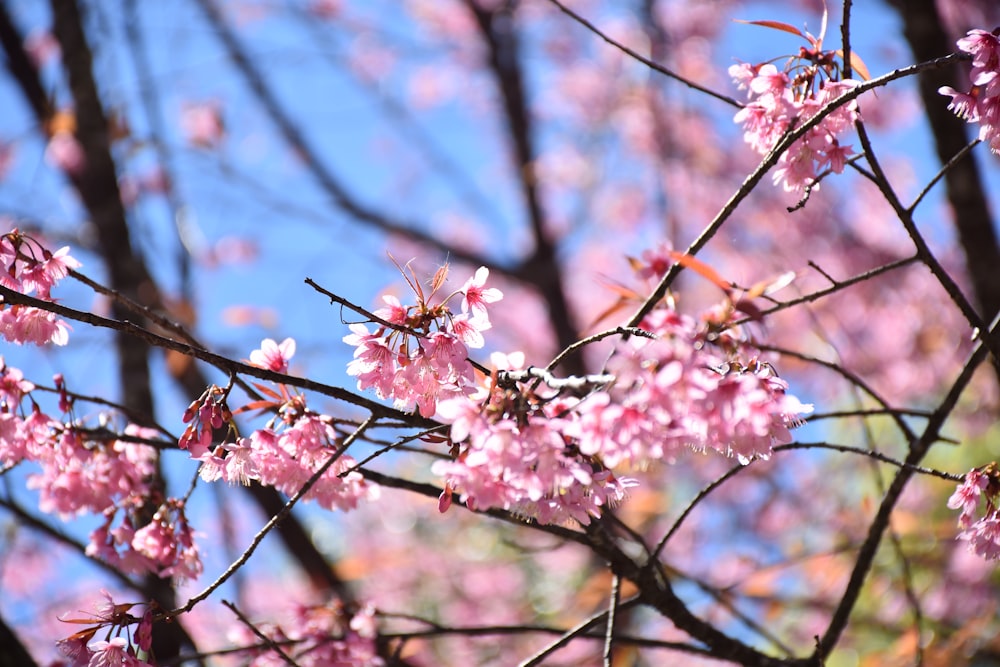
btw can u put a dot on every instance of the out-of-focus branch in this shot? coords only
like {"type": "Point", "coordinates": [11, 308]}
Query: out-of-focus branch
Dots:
{"type": "Point", "coordinates": [224, 364]}
{"type": "Point", "coordinates": [12, 651]}
{"type": "Point", "coordinates": [97, 184]}
{"type": "Point", "coordinates": [295, 138]}
{"type": "Point", "coordinates": [923, 28]}
{"type": "Point", "coordinates": [21, 67]}
{"type": "Point", "coordinates": [98, 188]}
{"type": "Point", "coordinates": [154, 116]}
{"type": "Point", "coordinates": [918, 449]}
{"type": "Point", "coordinates": [541, 269]}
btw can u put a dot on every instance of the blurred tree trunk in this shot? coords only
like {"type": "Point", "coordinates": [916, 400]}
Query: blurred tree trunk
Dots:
{"type": "Point", "coordinates": [924, 30]}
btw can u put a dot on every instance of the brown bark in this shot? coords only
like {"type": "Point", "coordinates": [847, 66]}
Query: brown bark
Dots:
{"type": "Point", "coordinates": [924, 30]}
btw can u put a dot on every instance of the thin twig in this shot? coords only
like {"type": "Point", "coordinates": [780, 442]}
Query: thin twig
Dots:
{"type": "Point", "coordinates": [274, 521]}
{"type": "Point", "coordinates": [769, 160]}
{"type": "Point", "coordinates": [943, 171]}
{"type": "Point", "coordinates": [576, 631]}
{"type": "Point", "coordinates": [918, 448]}
{"type": "Point", "coordinates": [621, 331]}
{"type": "Point", "coordinates": [609, 638]}
{"type": "Point", "coordinates": [334, 298]}
{"type": "Point", "coordinates": [905, 216]}
{"type": "Point", "coordinates": [656, 67]}
{"type": "Point", "coordinates": [267, 641]}
{"type": "Point", "coordinates": [224, 364]}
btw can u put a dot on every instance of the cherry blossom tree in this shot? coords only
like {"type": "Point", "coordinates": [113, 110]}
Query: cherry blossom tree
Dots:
{"type": "Point", "coordinates": [475, 332]}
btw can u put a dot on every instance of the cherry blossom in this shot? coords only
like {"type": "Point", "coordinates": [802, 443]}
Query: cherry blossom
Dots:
{"type": "Point", "coordinates": [778, 104]}
{"type": "Point", "coordinates": [203, 124]}
{"type": "Point", "coordinates": [982, 534]}
{"type": "Point", "coordinates": [65, 152]}
{"type": "Point", "coordinates": [528, 449]}
{"type": "Point", "coordinates": [475, 297]}
{"type": "Point", "coordinates": [323, 635]}
{"type": "Point", "coordinates": [423, 359]}
{"type": "Point", "coordinates": [28, 267]}
{"type": "Point", "coordinates": [285, 453]}
{"type": "Point", "coordinates": [982, 103]}
{"type": "Point", "coordinates": [273, 356]}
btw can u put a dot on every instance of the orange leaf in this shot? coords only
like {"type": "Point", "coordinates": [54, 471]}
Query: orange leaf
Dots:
{"type": "Point", "coordinates": [253, 405]}
{"type": "Point", "coordinates": [267, 391]}
{"type": "Point", "coordinates": [776, 25]}
{"type": "Point", "coordinates": [702, 269]}
{"type": "Point", "coordinates": [857, 64]}
{"type": "Point", "coordinates": [771, 285]}
{"type": "Point", "coordinates": [619, 304]}
{"type": "Point", "coordinates": [62, 121]}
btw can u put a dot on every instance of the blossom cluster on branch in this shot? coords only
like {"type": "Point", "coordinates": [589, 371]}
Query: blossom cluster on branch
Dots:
{"type": "Point", "coordinates": [317, 636]}
{"type": "Point", "coordinates": [781, 100]}
{"type": "Point", "coordinates": [982, 533]}
{"type": "Point", "coordinates": [29, 268]}
{"type": "Point", "coordinates": [293, 445]}
{"type": "Point", "coordinates": [418, 355]}
{"type": "Point", "coordinates": [535, 450]}
{"type": "Point", "coordinates": [981, 104]}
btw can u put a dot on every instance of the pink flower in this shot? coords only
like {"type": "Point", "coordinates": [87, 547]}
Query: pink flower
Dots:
{"type": "Point", "coordinates": [967, 496]}
{"type": "Point", "coordinates": [203, 124]}
{"type": "Point", "coordinates": [156, 542]}
{"type": "Point", "coordinates": [64, 151]}
{"type": "Point", "coordinates": [42, 47]}
{"type": "Point", "coordinates": [113, 653]}
{"type": "Point", "coordinates": [984, 47]}
{"type": "Point", "coordinates": [654, 262]}
{"type": "Point", "coordinates": [374, 362]}
{"type": "Point", "coordinates": [982, 103]}
{"type": "Point", "coordinates": [964, 105]}
{"type": "Point", "coordinates": [393, 311]}
{"type": "Point", "coordinates": [983, 537]}
{"type": "Point", "coordinates": [239, 466]}
{"type": "Point", "coordinates": [776, 104]}
{"type": "Point", "coordinates": [273, 356]}
{"type": "Point", "coordinates": [742, 74]}
{"type": "Point", "coordinates": [13, 386]}
{"type": "Point", "coordinates": [476, 296]}
{"type": "Point", "coordinates": [768, 80]}
{"type": "Point", "coordinates": [324, 9]}
{"type": "Point", "coordinates": [22, 324]}
{"type": "Point", "coordinates": [470, 331]}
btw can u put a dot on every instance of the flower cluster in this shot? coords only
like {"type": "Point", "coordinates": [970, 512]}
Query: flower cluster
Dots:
{"type": "Point", "coordinates": [982, 534]}
{"type": "Point", "coordinates": [982, 103]}
{"type": "Point", "coordinates": [30, 268]}
{"type": "Point", "coordinates": [418, 355]}
{"type": "Point", "coordinates": [284, 454]}
{"type": "Point", "coordinates": [164, 544]}
{"type": "Point", "coordinates": [551, 457]}
{"type": "Point", "coordinates": [321, 635]}
{"type": "Point", "coordinates": [93, 470]}
{"type": "Point", "coordinates": [673, 392]}
{"type": "Point", "coordinates": [517, 453]}
{"type": "Point", "coordinates": [779, 102]}
{"type": "Point", "coordinates": [120, 650]}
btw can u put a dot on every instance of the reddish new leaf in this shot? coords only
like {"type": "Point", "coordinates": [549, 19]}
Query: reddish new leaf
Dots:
{"type": "Point", "coordinates": [702, 269]}
{"type": "Point", "coordinates": [777, 25]}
